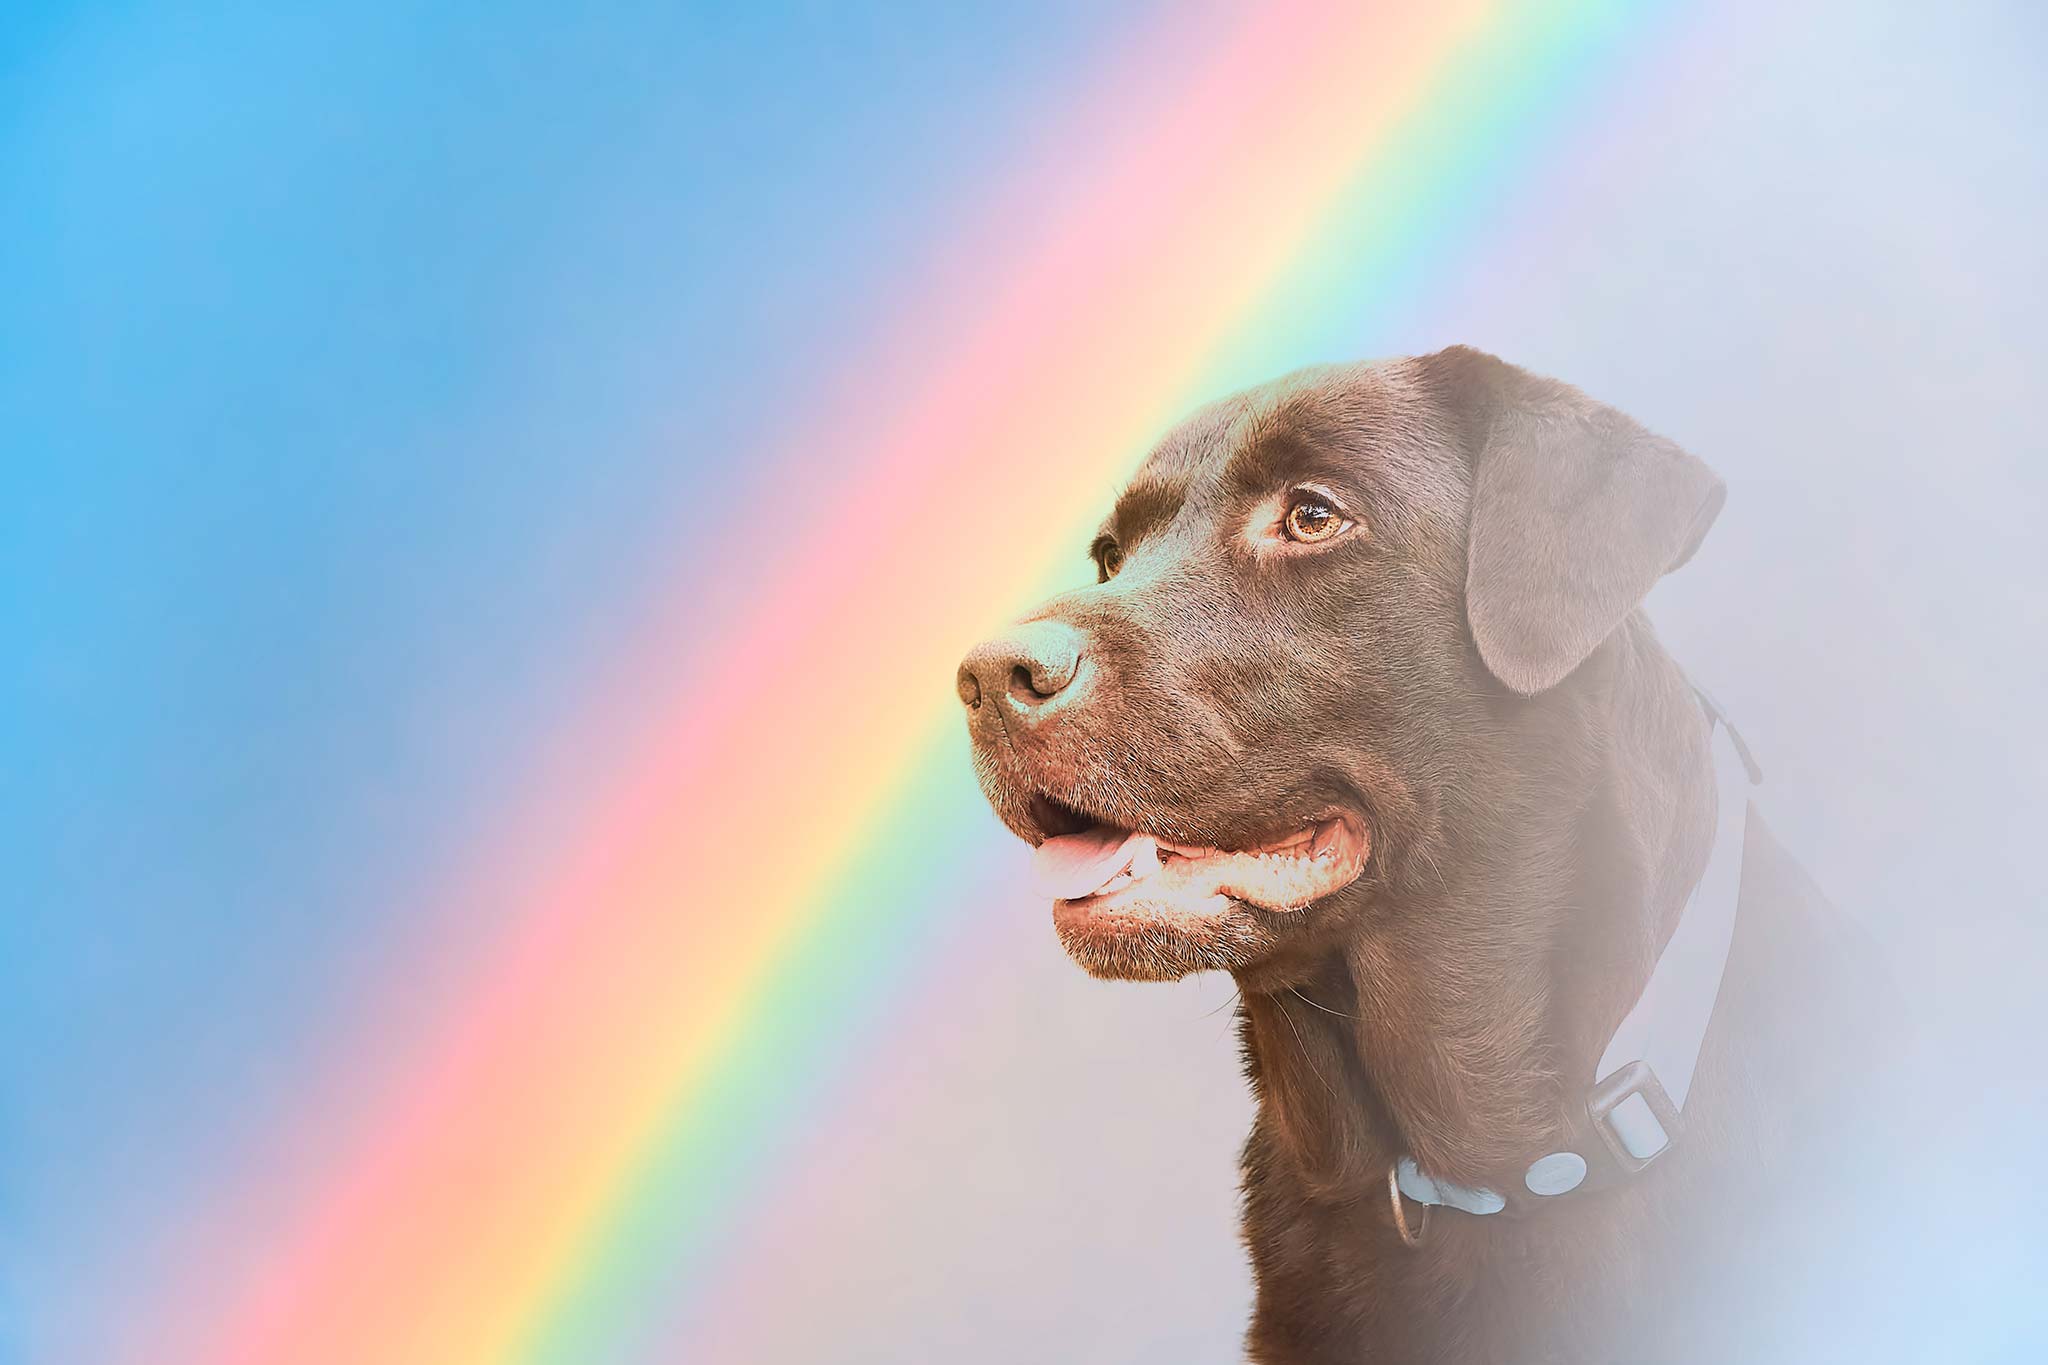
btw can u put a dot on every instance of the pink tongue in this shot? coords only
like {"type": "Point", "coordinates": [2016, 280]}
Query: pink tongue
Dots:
{"type": "Point", "coordinates": [1070, 866]}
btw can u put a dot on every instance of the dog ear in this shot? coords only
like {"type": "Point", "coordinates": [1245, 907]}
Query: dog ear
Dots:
{"type": "Point", "coordinates": [1577, 511]}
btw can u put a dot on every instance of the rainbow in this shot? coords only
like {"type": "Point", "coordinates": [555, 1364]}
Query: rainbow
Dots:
{"type": "Point", "coordinates": [584, 1106]}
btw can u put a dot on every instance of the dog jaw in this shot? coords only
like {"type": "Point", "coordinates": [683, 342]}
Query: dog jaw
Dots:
{"type": "Point", "coordinates": [1159, 911]}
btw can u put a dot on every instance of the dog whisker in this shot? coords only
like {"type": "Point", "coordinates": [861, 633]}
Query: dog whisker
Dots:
{"type": "Point", "coordinates": [1295, 991]}
{"type": "Point", "coordinates": [1308, 1056]}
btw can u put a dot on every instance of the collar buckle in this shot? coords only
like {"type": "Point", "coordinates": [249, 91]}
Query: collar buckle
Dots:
{"type": "Point", "coordinates": [1635, 1119]}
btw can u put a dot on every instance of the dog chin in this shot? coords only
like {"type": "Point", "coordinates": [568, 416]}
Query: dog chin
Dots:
{"type": "Point", "coordinates": [1124, 938]}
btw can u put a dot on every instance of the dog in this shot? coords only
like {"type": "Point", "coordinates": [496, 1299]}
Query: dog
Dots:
{"type": "Point", "coordinates": [1362, 709]}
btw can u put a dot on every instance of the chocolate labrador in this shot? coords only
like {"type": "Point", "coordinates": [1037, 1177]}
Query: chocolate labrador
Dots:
{"type": "Point", "coordinates": [1362, 710]}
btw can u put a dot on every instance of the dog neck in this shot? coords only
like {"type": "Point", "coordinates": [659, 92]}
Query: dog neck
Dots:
{"type": "Point", "coordinates": [1470, 999]}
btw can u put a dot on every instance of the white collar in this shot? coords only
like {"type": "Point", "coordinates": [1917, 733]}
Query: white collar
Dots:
{"type": "Point", "coordinates": [1633, 1110]}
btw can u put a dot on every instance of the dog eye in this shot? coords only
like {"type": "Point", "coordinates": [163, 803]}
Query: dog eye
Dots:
{"type": "Point", "coordinates": [1311, 520]}
{"type": "Point", "coordinates": [1109, 557]}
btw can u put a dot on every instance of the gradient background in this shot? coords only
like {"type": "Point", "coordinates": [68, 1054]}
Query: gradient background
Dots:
{"type": "Point", "coordinates": [492, 494]}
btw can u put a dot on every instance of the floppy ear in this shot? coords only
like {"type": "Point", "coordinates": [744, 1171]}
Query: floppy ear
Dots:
{"type": "Point", "coordinates": [1576, 512]}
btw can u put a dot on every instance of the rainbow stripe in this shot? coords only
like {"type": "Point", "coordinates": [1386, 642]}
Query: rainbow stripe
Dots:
{"type": "Point", "coordinates": [590, 1105]}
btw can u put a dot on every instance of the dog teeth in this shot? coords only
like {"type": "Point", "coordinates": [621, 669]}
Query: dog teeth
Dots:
{"type": "Point", "coordinates": [1144, 862]}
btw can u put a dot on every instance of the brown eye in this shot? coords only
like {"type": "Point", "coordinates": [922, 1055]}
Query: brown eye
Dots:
{"type": "Point", "coordinates": [1311, 521]}
{"type": "Point", "coordinates": [1109, 557]}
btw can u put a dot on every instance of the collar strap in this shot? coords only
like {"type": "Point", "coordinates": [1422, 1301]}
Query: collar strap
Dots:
{"type": "Point", "coordinates": [1634, 1111]}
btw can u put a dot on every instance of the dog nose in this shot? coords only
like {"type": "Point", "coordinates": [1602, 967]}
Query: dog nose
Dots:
{"type": "Point", "coordinates": [1028, 667]}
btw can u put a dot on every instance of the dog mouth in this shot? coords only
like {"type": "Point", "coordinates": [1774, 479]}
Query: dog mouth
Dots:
{"type": "Point", "coordinates": [1093, 867]}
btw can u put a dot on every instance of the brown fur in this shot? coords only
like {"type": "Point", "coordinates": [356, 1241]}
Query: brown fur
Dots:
{"type": "Point", "coordinates": [1468, 673]}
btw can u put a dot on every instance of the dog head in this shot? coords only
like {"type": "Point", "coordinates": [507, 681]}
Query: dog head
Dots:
{"type": "Point", "coordinates": [1295, 686]}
